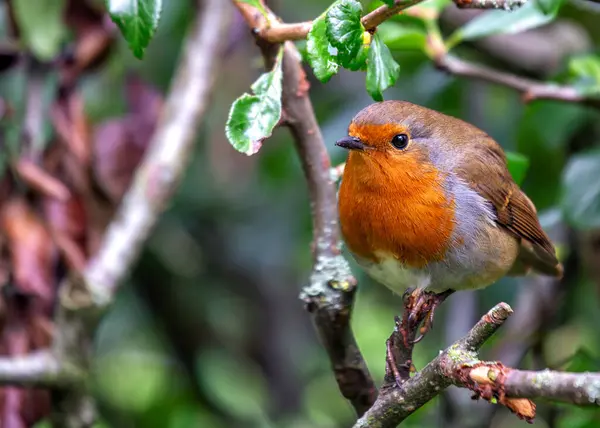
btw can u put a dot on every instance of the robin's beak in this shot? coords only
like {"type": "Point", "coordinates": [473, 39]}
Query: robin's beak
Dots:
{"type": "Point", "coordinates": [350, 143]}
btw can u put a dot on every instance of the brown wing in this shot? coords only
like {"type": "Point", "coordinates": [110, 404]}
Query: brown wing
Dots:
{"type": "Point", "coordinates": [489, 176]}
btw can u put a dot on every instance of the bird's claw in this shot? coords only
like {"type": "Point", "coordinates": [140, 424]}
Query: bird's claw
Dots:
{"type": "Point", "coordinates": [420, 306]}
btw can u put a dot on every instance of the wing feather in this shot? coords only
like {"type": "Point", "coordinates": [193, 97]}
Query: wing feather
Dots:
{"type": "Point", "coordinates": [515, 211]}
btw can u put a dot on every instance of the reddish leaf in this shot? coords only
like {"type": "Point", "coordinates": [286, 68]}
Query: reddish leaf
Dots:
{"type": "Point", "coordinates": [15, 343]}
{"type": "Point", "coordinates": [70, 121]}
{"type": "Point", "coordinates": [32, 251]}
{"type": "Point", "coordinates": [93, 38]}
{"type": "Point", "coordinates": [119, 144]}
{"type": "Point", "coordinates": [67, 223]}
{"type": "Point", "coordinates": [41, 181]}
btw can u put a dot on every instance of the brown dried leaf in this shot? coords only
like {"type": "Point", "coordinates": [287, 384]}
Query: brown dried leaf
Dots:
{"type": "Point", "coordinates": [524, 408]}
{"type": "Point", "coordinates": [15, 343]}
{"type": "Point", "coordinates": [67, 223]}
{"type": "Point", "coordinates": [41, 181]}
{"type": "Point", "coordinates": [70, 121]}
{"type": "Point", "coordinates": [144, 104]}
{"type": "Point", "coordinates": [93, 38]}
{"type": "Point", "coordinates": [119, 144]}
{"type": "Point", "coordinates": [32, 251]}
{"type": "Point", "coordinates": [487, 381]}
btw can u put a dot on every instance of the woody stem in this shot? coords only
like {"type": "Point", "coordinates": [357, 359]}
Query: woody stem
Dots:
{"type": "Point", "coordinates": [329, 297]}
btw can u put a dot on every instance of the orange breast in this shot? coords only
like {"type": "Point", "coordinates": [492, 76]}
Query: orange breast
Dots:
{"type": "Point", "coordinates": [395, 207]}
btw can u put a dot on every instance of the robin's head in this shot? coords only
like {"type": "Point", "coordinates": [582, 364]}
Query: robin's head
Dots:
{"type": "Point", "coordinates": [401, 135]}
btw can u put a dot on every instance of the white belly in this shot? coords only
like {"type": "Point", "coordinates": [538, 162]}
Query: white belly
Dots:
{"type": "Point", "coordinates": [397, 277]}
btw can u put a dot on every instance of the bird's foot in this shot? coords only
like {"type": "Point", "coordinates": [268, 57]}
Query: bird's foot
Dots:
{"type": "Point", "coordinates": [420, 307]}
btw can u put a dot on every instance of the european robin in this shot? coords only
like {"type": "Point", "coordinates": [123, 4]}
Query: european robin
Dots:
{"type": "Point", "coordinates": [427, 202]}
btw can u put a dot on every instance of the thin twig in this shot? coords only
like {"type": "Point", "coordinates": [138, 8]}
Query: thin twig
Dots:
{"type": "Point", "coordinates": [330, 295]}
{"type": "Point", "coordinates": [39, 369]}
{"type": "Point", "coordinates": [275, 31]}
{"type": "Point", "coordinates": [531, 89]}
{"type": "Point", "coordinates": [490, 4]}
{"type": "Point", "coordinates": [575, 388]}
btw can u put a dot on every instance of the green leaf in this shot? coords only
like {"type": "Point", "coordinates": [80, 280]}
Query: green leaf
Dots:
{"type": "Point", "coordinates": [583, 361]}
{"type": "Point", "coordinates": [137, 20]}
{"type": "Point", "coordinates": [257, 4]}
{"type": "Point", "coordinates": [517, 166]}
{"type": "Point", "coordinates": [345, 30]}
{"type": "Point", "coordinates": [319, 55]}
{"type": "Point", "coordinates": [252, 118]}
{"type": "Point", "coordinates": [549, 7]}
{"type": "Point", "coordinates": [402, 36]}
{"type": "Point", "coordinates": [584, 74]}
{"type": "Point", "coordinates": [503, 22]}
{"type": "Point", "coordinates": [41, 24]}
{"type": "Point", "coordinates": [390, 3]}
{"type": "Point", "coordinates": [581, 191]}
{"type": "Point", "coordinates": [382, 69]}
{"type": "Point", "coordinates": [360, 60]}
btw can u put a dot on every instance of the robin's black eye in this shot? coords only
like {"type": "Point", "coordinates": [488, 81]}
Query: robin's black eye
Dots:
{"type": "Point", "coordinates": [400, 141]}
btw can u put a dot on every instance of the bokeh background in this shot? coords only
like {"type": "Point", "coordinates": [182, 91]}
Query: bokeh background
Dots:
{"type": "Point", "coordinates": [209, 330]}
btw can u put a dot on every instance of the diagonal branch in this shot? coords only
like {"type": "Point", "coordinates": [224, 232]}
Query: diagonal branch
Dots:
{"type": "Point", "coordinates": [330, 295]}
{"type": "Point", "coordinates": [459, 365]}
{"type": "Point", "coordinates": [157, 177]}
{"type": "Point", "coordinates": [531, 89]}
{"type": "Point", "coordinates": [84, 299]}
{"type": "Point", "coordinates": [394, 404]}
{"type": "Point", "coordinates": [40, 369]}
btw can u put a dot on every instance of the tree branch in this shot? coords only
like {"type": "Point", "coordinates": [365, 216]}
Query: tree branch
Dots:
{"type": "Point", "coordinates": [330, 294]}
{"type": "Point", "coordinates": [274, 31]}
{"type": "Point", "coordinates": [489, 4]}
{"type": "Point", "coordinates": [459, 365]}
{"type": "Point", "coordinates": [39, 369]}
{"type": "Point", "coordinates": [576, 388]}
{"type": "Point", "coordinates": [530, 89]}
{"type": "Point", "coordinates": [162, 168]}
{"type": "Point", "coordinates": [84, 299]}
{"type": "Point", "coordinates": [394, 404]}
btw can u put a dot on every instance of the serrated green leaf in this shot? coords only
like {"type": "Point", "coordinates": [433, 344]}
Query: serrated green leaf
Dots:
{"type": "Point", "coordinates": [41, 25]}
{"type": "Point", "coordinates": [319, 55]}
{"type": "Point", "coordinates": [580, 200]}
{"type": "Point", "coordinates": [359, 63]}
{"type": "Point", "coordinates": [382, 69]}
{"type": "Point", "coordinates": [257, 4]}
{"type": "Point", "coordinates": [137, 20]}
{"type": "Point", "coordinates": [252, 118]}
{"type": "Point", "coordinates": [344, 29]}
{"type": "Point", "coordinates": [517, 166]}
{"type": "Point", "coordinates": [584, 74]}
{"type": "Point", "coordinates": [503, 22]}
{"type": "Point", "coordinates": [402, 36]}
